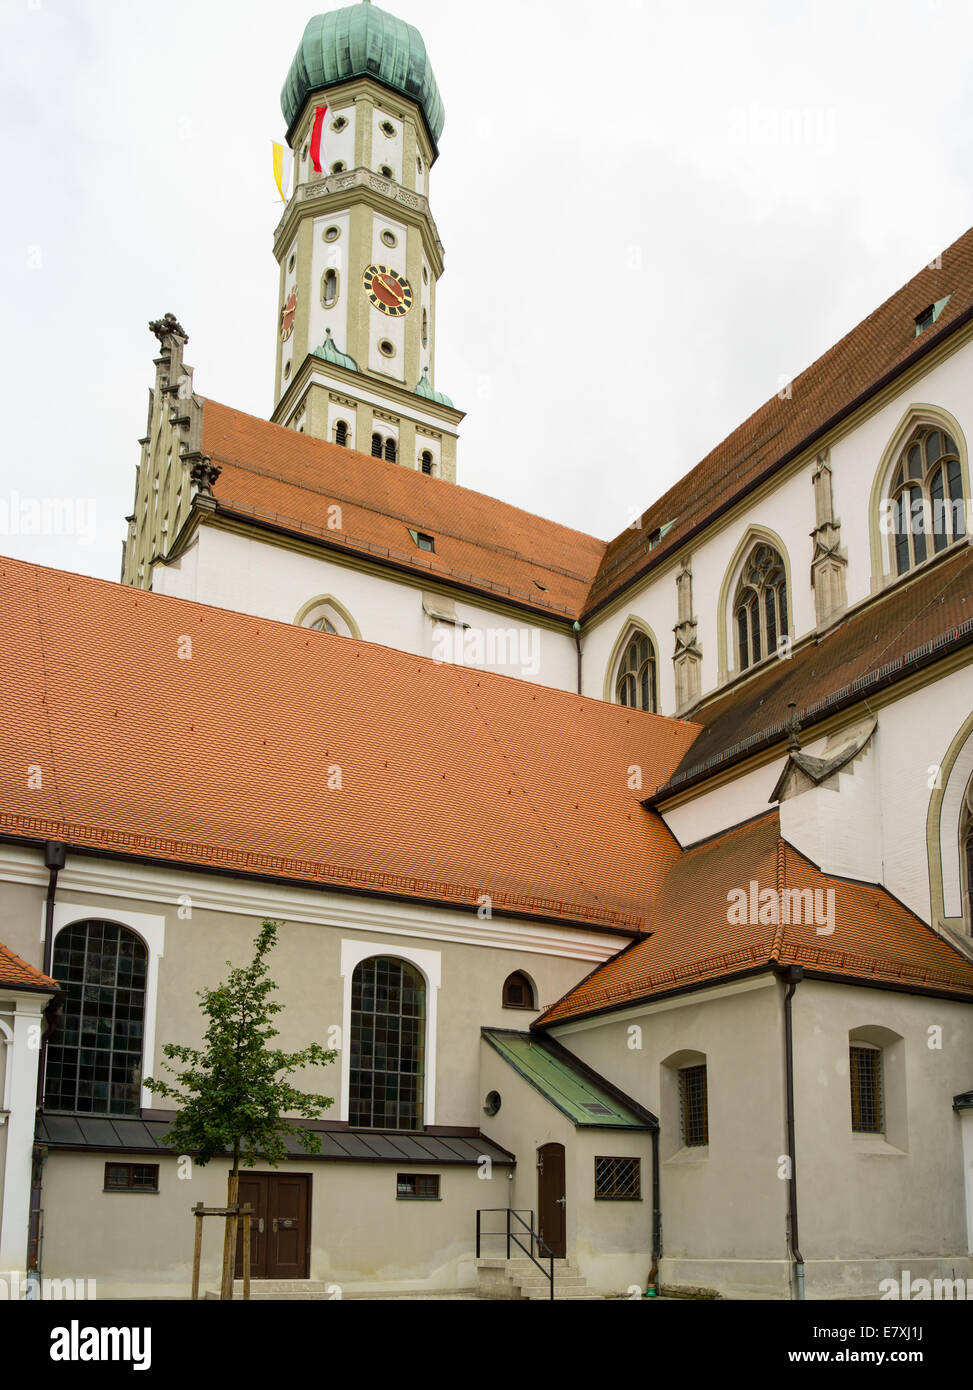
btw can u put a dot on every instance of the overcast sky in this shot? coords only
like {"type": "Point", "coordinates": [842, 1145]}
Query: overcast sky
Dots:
{"type": "Point", "coordinates": [653, 213]}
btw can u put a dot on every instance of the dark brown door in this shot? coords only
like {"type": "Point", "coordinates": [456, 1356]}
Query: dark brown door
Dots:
{"type": "Point", "coordinates": [551, 1200]}
{"type": "Point", "coordinates": [280, 1229]}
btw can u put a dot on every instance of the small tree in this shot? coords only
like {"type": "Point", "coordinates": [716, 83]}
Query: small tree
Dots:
{"type": "Point", "coordinates": [234, 1093]}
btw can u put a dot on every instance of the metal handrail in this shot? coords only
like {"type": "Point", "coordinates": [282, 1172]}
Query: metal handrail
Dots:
{"type": "Point", "coordinates": [512, 1236]}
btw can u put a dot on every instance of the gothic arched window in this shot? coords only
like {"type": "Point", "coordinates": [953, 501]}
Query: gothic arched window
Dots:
{"type": "Point", "coordinates": [323, 624]}
{"type": "Point", "coordinates": [388, 1013]}
{"type": "Point", "coordinates": [635, 682]}
{"type": "Point", "coordinates": [518, 992]}
{"type": "Point", "coordinates": [760, 606]}
{"type": "Point", "coordinates": [94, 1060]}
{"type": "Point", "coordinates": [926, 494]}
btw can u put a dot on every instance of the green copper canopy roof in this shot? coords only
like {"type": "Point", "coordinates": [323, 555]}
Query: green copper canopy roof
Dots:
{"type": "Point", "coordinates": [362, 41]}
{"type": "Point", "coordinates": [330, 352]}
{"type": "Point", "coordinates": [586, 1098]}
{"type": "Point", "coordinates": [424, 388]}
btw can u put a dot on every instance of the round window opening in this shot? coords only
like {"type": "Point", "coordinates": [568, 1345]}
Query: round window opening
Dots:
{"type": "Point", "coordinates": [390, 238]}
{"type": "Point", "coordinates": [425, 276]}
{"type": "Point", "coordinates": [386, 348]}
{"type": "Point", "coordinates": [338, 123]}
{"type": "Point", "coordinates": [337, 167]}
{"type": "Point", "coordinates": [385, 171]}
{"type": "Point", "coordinates": [387, 128]}
{"type": "Point", "coordinates": [492, 1103]}
{"type": "Point", "coordinates": [291, 263]}
{"type": "Point", "coordinates": [332, 233]}
{"type": "Point", "coordinates": [287, 370]}
{"type": "Point", "coordinates": [304, 155]}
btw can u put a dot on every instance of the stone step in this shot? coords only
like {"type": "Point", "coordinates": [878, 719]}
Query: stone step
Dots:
{"type": "Point", "coordinates": [536, 1295]}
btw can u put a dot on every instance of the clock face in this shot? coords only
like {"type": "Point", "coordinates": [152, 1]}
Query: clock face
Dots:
{"type": "Point", "coordinates": [287, 315]}
{"type": "Point", "coordinates": [389, 292]}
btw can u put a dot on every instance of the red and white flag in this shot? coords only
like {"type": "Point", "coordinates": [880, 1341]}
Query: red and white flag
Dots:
{"type": "Point", "coordinates": [319, 114]}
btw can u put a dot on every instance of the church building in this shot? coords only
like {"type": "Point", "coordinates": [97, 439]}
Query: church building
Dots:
{"type": "Point", "coordinates": [631, 880]}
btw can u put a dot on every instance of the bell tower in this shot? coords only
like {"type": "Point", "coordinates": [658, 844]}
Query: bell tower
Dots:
{"type": "Point", "coordinates": [358, 250]}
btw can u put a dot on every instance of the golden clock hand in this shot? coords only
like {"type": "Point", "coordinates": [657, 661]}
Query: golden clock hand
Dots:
{"type": "Point", "coordinates": [394, 289]}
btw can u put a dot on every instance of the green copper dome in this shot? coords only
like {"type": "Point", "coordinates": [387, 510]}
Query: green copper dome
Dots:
{"type": "Point", "coordinates": [330, 352]}
{"type": "Point", "coordinates": [424, 388]}
{"type": "Point", "coordinates": [362, 41]}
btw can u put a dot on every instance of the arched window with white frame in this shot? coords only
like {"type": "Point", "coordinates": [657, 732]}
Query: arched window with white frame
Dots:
{"type": "Point", "coordinates": [326, 614]}
{"type": "Point", "coordinates": [760, 616]}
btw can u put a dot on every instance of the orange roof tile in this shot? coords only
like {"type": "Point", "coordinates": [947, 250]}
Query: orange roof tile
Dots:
{"type": "Point", "coordinates": [17, 974]}
{"type": "Point", "coordinates": [875, 940]}
{"type": "Point", "coordinates": [454, 783]}
{"type": "Point", "coordinates": [288, 479]}
{"type": "Point", "coordinates": [879, 345]}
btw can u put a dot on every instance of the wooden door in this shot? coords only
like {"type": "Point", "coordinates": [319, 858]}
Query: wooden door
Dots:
{"type": "Point", "coordinates": [280, 1229]}
{"type": "Point", "coordinates": [551, 1200]}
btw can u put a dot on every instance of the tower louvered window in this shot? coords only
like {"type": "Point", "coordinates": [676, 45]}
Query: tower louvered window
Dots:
{"type": "Point", "coordinates": [341, 433]}
{"type": "Point", "coordinates": [390, 451]}
{"type": "Point", "coordinates": [376, 446]}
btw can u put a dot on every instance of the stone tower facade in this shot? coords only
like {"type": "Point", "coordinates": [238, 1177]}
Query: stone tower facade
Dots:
{"type": "Point", "coordinates": [357, 246]}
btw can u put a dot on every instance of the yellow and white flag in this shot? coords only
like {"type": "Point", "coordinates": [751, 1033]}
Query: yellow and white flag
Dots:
{"type": "Point", "coordinates": [283, 168]}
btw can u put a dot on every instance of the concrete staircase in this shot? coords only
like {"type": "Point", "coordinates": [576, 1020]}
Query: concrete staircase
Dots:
{"type": "Point", "coordinates": [520, 1278]}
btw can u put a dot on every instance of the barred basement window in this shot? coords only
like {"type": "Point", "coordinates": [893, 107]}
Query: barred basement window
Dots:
{"type": "Point", "coordinates": [131, 1177]}
{"type": "Point", "coordinates": [94, 1061]}
{"type": "Point", "coordinates": [421, 1186]}
{"type": "Point", "coordinates": [866, 1090]}
{"type": "Point", "coordinates": [692, 1105]}
{"type": "Point", "coordinates": [618, 1179]}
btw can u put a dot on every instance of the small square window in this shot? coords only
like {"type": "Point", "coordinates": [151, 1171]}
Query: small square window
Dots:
{"type": "Point", "coordinates": [131, 1177]}
{"type": "Point", "coordinates": [424, 541]}
{"type": "Point", "coordinates": [421, 1186]}
{"type": "Point", "coordinates": [618, 1179]}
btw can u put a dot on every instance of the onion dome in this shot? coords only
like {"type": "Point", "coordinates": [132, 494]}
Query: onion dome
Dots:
{"type": "Point", "coordinates": [362, 41]}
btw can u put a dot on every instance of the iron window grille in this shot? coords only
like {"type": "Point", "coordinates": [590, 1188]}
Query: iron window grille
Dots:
{"type": "Point", "coordinates": [618, 1179]}
{"type": "Point", "coordinates": [419, 1186]}
{"type": "Point", "coordinates": [692, 1098]}
{"type": "Point", "coordinates": [131, 1177]}
{"type": "Point", "coordinates": [866, 1090]}
{"type": "Point", "coordinates": [94, 1061]}
{"type": "Point", "coordinates": [388, 1011]}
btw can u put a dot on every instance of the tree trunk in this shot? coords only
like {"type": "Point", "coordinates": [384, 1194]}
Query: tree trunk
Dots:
{"type": "Point", "coordinates": [229, 1232]}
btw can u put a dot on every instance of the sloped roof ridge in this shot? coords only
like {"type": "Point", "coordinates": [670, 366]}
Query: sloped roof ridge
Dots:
{"type": "Point", "coordinates": [396, 469]}
{"type": "Point", "coordinates": [15, 972]}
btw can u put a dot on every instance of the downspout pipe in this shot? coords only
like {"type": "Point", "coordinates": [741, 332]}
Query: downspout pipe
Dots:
{"type": "Point", "coordinates": [652, 1286]}
{"type": "Point", "coordinates": [55, 854]}
{"type": "Point", "coordinates": [576, 629]}
{"type": "Point", "coordinates": [791, 976]}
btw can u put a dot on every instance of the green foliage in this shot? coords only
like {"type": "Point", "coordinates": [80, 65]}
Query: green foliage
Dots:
{"type": "Point", "coordinates": [234, 1092]}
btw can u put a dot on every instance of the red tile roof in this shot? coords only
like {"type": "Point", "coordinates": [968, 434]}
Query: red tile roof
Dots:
{"type": "Point", "coordinates": [876, 940]}
{"type": "Point", "coordinates": [880, 344]}
{"type": "Point", "coordinates": [454, 783]}
{"type": "Point", "coordinates": [17, 974]}
{"type": "Point", "coordinates": [277, 475]}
